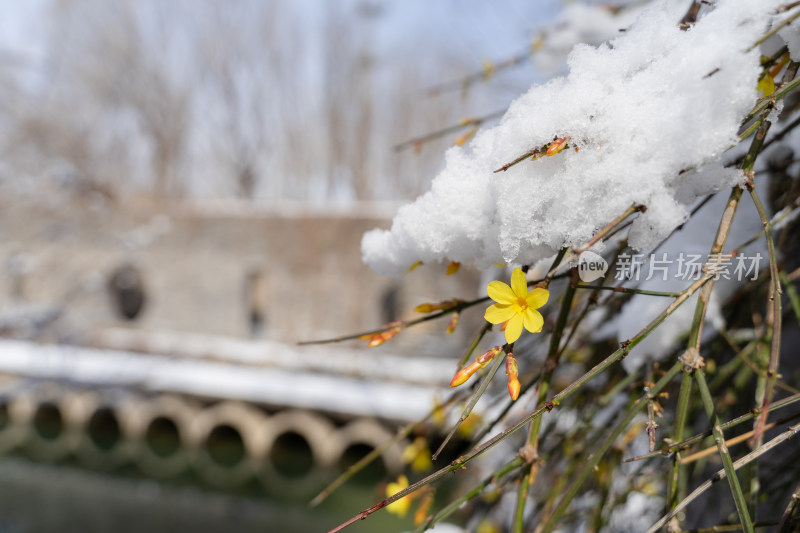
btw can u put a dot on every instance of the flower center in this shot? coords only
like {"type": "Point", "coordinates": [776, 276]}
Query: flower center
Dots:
{"type": "Point", "coordinates": [522, 303]}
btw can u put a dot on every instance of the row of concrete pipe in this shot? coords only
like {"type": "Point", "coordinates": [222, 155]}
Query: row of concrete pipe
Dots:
{"type": "Point", "coordinates": [225, 443]}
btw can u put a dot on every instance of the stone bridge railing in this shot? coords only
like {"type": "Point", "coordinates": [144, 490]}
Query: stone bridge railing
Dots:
{"type": "Point", "coordinates": [226, 443]}
{"type": "Point", "coordinates": [229, 413]}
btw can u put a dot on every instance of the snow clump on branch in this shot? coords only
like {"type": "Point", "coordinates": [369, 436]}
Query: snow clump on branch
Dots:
{"type": "Point", "coordinates": [647, 116]}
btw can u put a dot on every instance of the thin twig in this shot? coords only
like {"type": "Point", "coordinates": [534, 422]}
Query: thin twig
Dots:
{"type": "Point", "coordinates": [531, 449]}
{"type": "Point", "coordinates": [598, 369]}
{"type": "Point", "coordinates": [458, 502]}
{"type": "Point", "coordinates": [755, 454]}
{"type": "Point", "coordinates": [671, 448]}
{"type": "Point", "coordinates": [475, 397]}
{"type": "Point", "coordinates": [727, 462]}
{"type": "Point", "coordinates": [728, 442]}
{"type": "Point", "coordinates": [775, 29]}
{"type": "Point", "coordinates": [625, 290]}
{"type": "Point", "coordinates": [463, 123]}
{"type": "Point", "coordinates": [591, 462]}
{"type": "Point", "coordinates": [608, 227]}
{"type": "Point", "coordinates": [775, 295]}
{"type": "Point", "coordinates": [790, 520]}
{"type": "Point", "coordinates": [484, 74]}
{"type": "Point", "coordinates": [376, 452]}
{"type": "Point", "coordinates": [767, 101]}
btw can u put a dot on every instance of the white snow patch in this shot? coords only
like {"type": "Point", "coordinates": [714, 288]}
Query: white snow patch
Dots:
{"type": "Point", "coordinates": [652, 103]}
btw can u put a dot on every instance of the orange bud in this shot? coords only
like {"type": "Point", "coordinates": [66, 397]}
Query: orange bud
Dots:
{"type": "Point", "coordinates": [465, 373]}
{"type": "Point", "coordinates": [443, 305]}
{"type": "Point", "coordinates": [377, 340]}
{"type": "Point", "coordinates": [466, 136]}
{"type": "Point", "coordinates": [451, 327]}
{"type": "Point", "coordinates": [774, 71]}
{"type": "Point", "coordinates": [488, 355]}
{"type": "Point", "coordinates": [426, 308]}
{"type": "Point", "coordinates": [556, 146]}
{"type": "Point", "coordinates": [425, 505]}
{"type": "Point", "coordinates": [511, 366]}
{"type": "Point", "coordinates": [513, 372]}
{"type": "Point", "coordinates": [380, 338]}
{"type": "Point", "coordinates": [503, 325]}
{"type": "Point", "coordinates": [513, 388]}
{"type": "Point", "coordinates": [449, 304]}
{"type": "Point", "coordinates": [452, 268]}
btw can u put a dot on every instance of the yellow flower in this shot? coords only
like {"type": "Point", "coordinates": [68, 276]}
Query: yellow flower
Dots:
{"type": "Point", "coordinates": [418, 455]}
{"type": "Point", "coordinates": [400, 507]}
{"type": "Point", "coordinates": [517, 305]}
{"type": "Point", "coordinates": [766, 86]}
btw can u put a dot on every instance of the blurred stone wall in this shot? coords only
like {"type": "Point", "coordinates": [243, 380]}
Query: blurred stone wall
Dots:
{"type": "Point", "coordinates": [222, 269]}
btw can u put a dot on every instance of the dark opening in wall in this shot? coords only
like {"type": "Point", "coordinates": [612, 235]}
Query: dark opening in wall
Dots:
{"type": "Point", "coordinates": [47, 421]}
{"type": "Point", "coordinates": [225, 446]}
{"type": "Point", "coordinates": [163, 436]}
{"type": "Point", "coordinates": [4, 420]}
{"type": "Point", "coordinates": [103, 429]}
{"type": "Point", "coordinates": [126, 287]}
{"type": "Point", "coordinates": [291, 455]}
{"type": "Point", "coordinates": [372, 473]}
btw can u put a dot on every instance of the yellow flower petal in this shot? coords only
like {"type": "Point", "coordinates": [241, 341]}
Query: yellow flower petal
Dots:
{"type": "Point", "coordinates": [533, 320]}
{"type": "Point", "coordinates": [766, 86]}
{"type": "Point", "coordinates": [399, 507]}
{"type": "Point", "coordinates": [514, 328]}
{"type": "Point", "coordinates": [500, 293]}
{"type": "Point", "coordinates": [519, 283]}
{"type": "Point", "coordinates": [537, 297]}
{"type": "Point", "coordinates": [498, 313]}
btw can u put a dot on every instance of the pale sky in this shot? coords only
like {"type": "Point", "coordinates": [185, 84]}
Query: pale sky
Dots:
{"type": "Point", "coordinates": [487, 30]}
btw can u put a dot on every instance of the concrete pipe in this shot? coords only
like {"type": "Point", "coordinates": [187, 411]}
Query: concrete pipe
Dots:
{"type": "Point", "coordinates": [299, 446]}
{"type": "Point", "coordinates": [11, 434]}
{"type": "Point", "coordinates": [105, 440]}
{"type": "Point", "coordinates": [361, 436]}
{"type": "Point", "coordinates": [49, 421]}
{"type": "Point", "coordinates": [162, 427]}
{"type": "Point", "coordinates": [231, 442]}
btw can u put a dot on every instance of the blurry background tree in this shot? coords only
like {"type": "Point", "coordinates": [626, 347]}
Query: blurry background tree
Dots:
{"type": "Point", "coordinates": [271, 101]}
